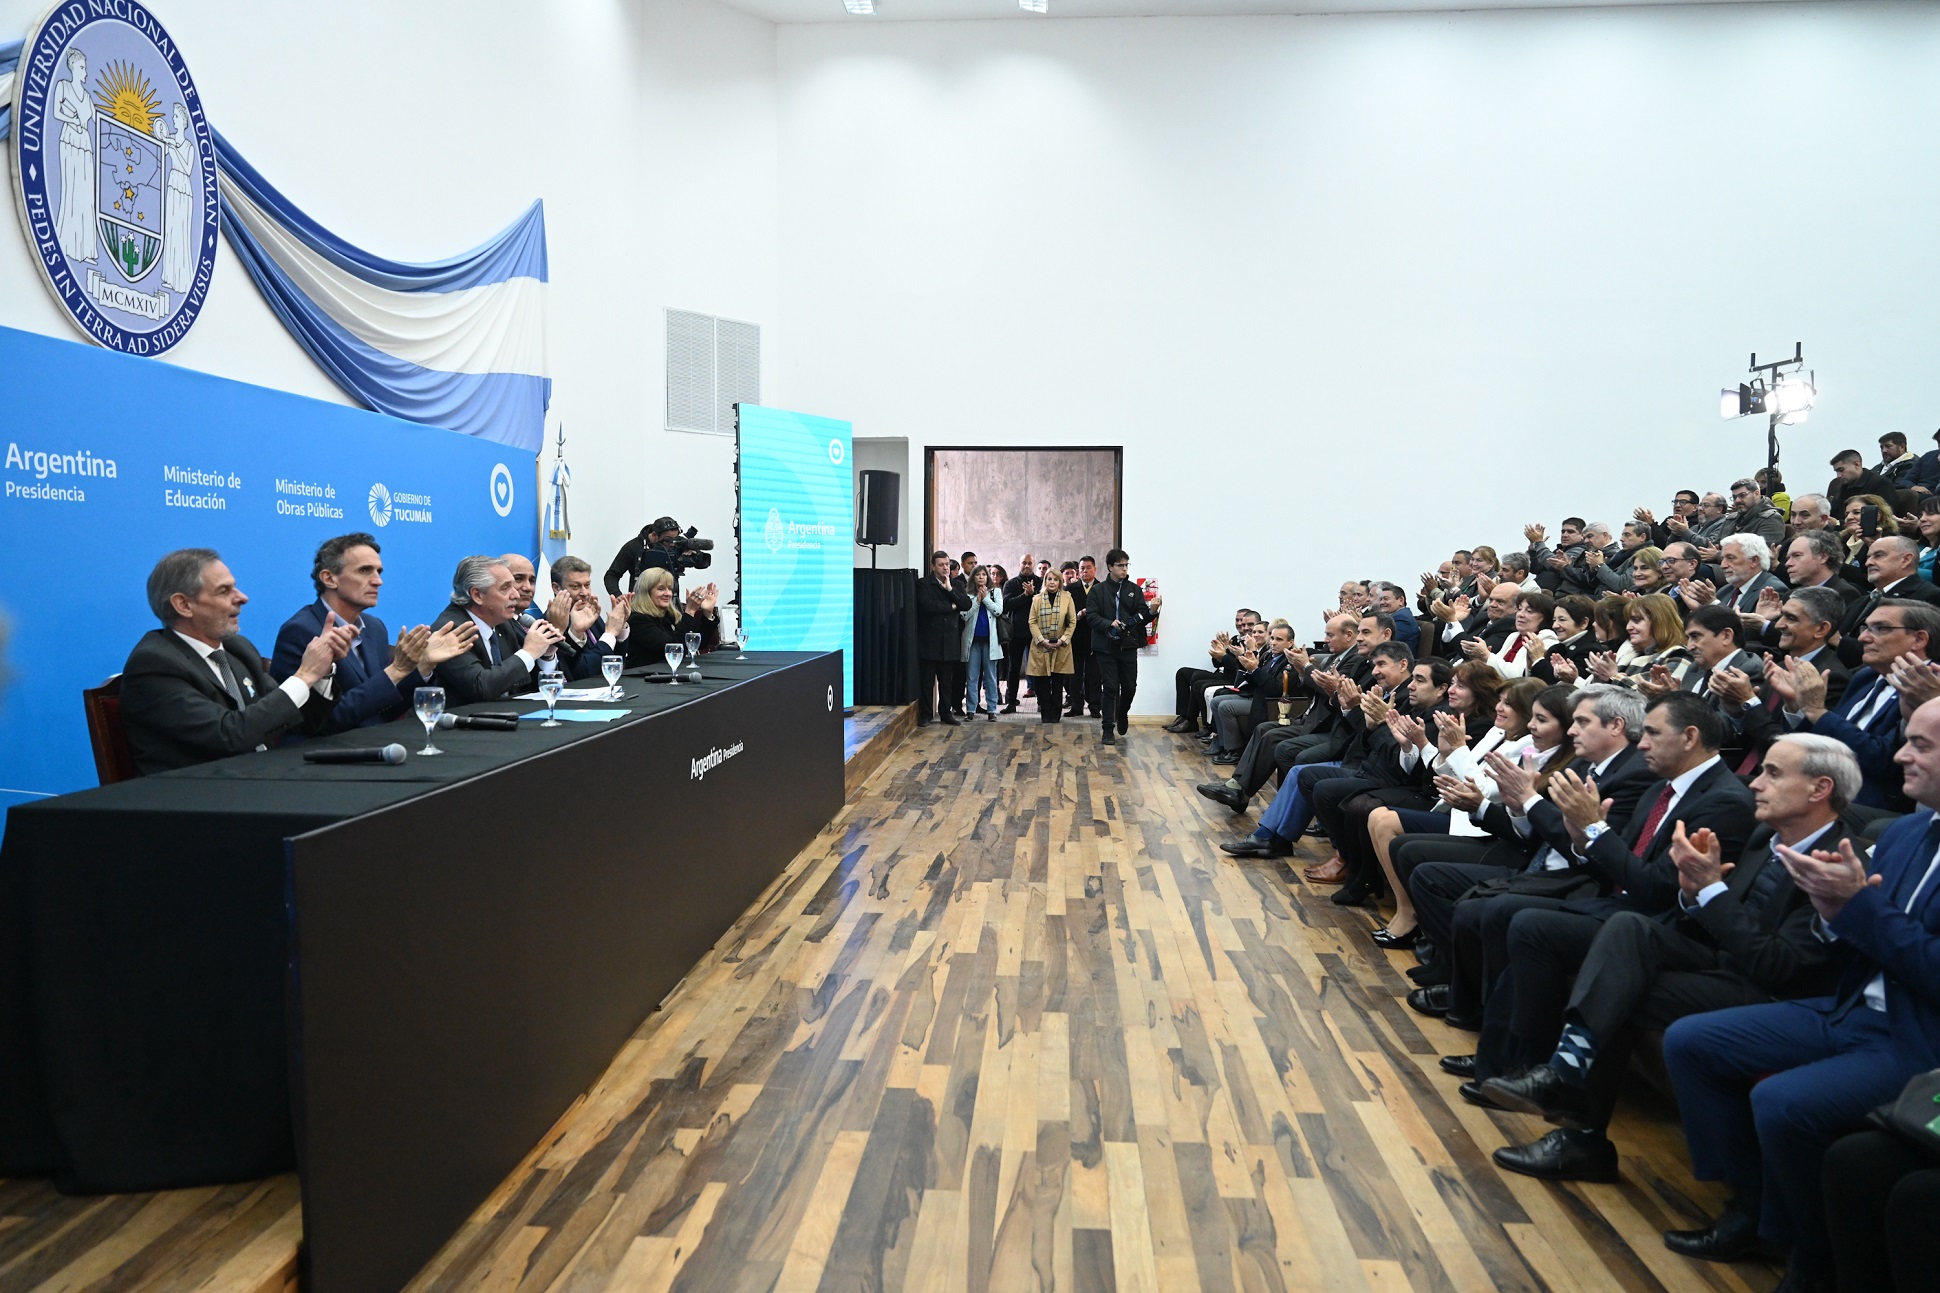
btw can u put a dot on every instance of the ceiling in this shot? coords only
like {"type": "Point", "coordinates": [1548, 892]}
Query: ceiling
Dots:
{"type": "Point", "coordinates": [798, 11]}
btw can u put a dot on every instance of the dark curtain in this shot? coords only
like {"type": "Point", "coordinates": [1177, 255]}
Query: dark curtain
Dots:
{"type": "Point", "coordinates": [885, 637]}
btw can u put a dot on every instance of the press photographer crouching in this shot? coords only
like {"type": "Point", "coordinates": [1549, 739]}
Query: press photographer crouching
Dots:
{"type": "Point", "coordinates": [657, 621]}
{"type": "Point", "coordinates": [661, 545]}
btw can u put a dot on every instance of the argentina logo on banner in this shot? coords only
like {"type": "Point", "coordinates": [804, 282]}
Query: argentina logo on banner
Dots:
{"type": "Point", "coordinates": [114, 173]}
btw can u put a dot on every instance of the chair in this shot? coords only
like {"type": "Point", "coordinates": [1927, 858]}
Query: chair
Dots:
{"type": "Point", "coordinates": [114, 759]}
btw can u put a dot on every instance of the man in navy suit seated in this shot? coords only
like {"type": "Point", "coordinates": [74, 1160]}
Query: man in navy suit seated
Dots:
{"type": "Point", "coordinates": [196, 689]}
{"type": "Point", "coordinates": [374, 681]}
{"type": "Point", "coordinates": [1765, 1089]}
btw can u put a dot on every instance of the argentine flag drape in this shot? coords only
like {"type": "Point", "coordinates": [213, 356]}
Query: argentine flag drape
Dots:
{"type": "Point", "coordinates": [459, 343]}
{"type": "Point", "coordinates": [9, 60]}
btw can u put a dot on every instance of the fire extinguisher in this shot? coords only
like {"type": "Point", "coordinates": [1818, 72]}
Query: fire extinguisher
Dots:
{"type": "Point", "coordinates": [1150, 587]}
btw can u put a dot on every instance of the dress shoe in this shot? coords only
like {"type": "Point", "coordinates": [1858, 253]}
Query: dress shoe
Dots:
{"type": "Point", "coordinates": [1110, 739]}
{"type": "Point", "coordinates": [1429, 975]}
{"type": "Point", "coordinates": [1332, 871]}
{"type": "Point", "coordinates": [951, 720]}
{"type": "Point", "coordinates": [989, 716]}
{"type": "Point", "coordinates": [1397, 942]}
{"type": "Point", "coordinates": [1258, 848]}
{"type": "Point", "coordinates": [1183, 726]}
{"type": "Point", "coordinates": [1354, 895]}
{"type": "Point", "coordinates": [1563, 1155]}
{"type": "Point", "coordinates": [924, 722]}
{"type": "Point", "coordinates": [1541, 1090]}
{"type": "Point", "coordinates": [1124, 724]}
{"type": "Point", "coordinates": [1429, 1001]}
{"type": "Point", "coordinates": [1467, 1023]}
{"type": "Point", "coordinates": [1461, 1066]}
{"type": "Point", "coordinates": [1221, 793]}
{"type": "Point", "coordinates": [1224, 758]}
{"type": "Point", "coordinates": [1731, 1238]}
{"type": "Point", "coordinates": [1204, 738]}
{"type": "Point", "coordinates": [1472, 1092]}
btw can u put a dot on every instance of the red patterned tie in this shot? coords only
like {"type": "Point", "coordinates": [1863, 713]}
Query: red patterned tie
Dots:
{"type": "Point", "coordinates": [1652, 822]}
{"type": "Point", "coordinates": [1515, 645]}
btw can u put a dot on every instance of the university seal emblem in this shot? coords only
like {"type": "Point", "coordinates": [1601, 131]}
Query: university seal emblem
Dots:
{"type": "Point", "coordinates": [115, 173]}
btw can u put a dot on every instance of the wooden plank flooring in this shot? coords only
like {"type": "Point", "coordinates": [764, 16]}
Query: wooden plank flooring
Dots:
{"type": "Point", "coordinates": [1014, 1023]}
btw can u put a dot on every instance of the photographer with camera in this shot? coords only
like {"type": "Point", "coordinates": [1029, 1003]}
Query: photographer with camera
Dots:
{"type": "Point", "coordinates": [661, 544]}
{"type": "Point", "coordinates": [1118, 613]}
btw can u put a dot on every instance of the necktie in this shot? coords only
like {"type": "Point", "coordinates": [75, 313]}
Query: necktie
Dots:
{"type": "Point", "coordinates": [491, 646]}
{"type": "Point", "coordinates": [1652, 822]}
{"type": "Point", "coordinates": [1765, 883]}
{"type": "Point", "coordinates": [229, 684]}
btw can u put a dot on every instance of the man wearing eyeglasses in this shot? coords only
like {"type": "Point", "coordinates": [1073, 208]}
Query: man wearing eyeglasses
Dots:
{"type": "Point", "coordinates": [1897, 644]}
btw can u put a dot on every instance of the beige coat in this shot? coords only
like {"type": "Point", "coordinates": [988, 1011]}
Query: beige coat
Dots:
{"type": "Point", "coordinates": [1051, 620]}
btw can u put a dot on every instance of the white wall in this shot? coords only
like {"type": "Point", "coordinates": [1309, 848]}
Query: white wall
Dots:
{"type": "Point", "coordinates": [1351, 291]}
{"type": "Point", "coordinates": [420, 129]}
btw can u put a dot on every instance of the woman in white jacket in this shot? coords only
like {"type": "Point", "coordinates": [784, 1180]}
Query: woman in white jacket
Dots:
{"type": "Point", "coordinates": [1531, 640]}
{"type": "Point", "coordinates": [983, 645]}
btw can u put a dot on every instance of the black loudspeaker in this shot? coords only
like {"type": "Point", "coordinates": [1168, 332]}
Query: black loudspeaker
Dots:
{"type": "Point", "coordinates": [876, 508]}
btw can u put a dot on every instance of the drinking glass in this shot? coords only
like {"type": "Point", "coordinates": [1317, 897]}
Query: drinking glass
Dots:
{"type": "Point", "coordinates": [611, 665]}
{"type": "Point", "coordinates": [674, 651]}
{"type": "Point", "coordinates": [694, 651]}
{"type": "Point", "coordinates": [430, 702]}
{"type": "Point", "coordinates": [741, 641]}
{"type": "Point", "coordinates": [549, 687]}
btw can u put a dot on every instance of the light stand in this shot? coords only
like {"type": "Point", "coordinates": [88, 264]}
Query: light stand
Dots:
{"type": "Point", "coordinates": [1777, 390]}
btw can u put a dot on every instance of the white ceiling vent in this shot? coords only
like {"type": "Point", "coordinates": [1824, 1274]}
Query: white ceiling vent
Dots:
{"type": "Point", "coordinates": [712, 365]}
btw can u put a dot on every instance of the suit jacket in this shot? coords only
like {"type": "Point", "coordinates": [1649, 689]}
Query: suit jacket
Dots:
{"type": "Point", "coordinates": [1867, 482]}
{"type": "Point", "coordinates": [1080, 600]}
{"type": "Point", "coordinates": [1747, 599]}
{"type": "Point", "coordinates": [176, 714]}
{"type": "Point", "coordinates": [472, 677]}
{"type": "Point", "coordinates": [1759, 725]}
{"type": "Point", "coordinates": [1717, 799]}
{"type": "Point", "coordinates": [1407, 629]}
{"type": "Point", "coordinates": [1912, 588]}
{"type": "Point", "coordinates": [1905, 945]}
{"type": "Point", "coordinates": [1621, 783]}
{"type": "Point", "coordinates": [938, 628]}
{"type": "Point", "coordinates": [1875, 744]}
{"type": "Point", "coordinates": [1264, 685]}
{"type": "Point", "coordinates": [363, 695]}
{"type": "Point", "coordinates": [1123, 601]}
{"type": "Point", "coordinates": [1775, 947]}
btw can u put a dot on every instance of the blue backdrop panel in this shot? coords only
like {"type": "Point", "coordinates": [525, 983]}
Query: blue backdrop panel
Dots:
{"type": "Point", "coordinates": [797, 535]}
{"type": "Point", "coordinates": [112, 460]}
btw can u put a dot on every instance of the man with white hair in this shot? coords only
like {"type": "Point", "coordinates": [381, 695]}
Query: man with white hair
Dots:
{"type": "Point", "coordinates": [1747, 563]}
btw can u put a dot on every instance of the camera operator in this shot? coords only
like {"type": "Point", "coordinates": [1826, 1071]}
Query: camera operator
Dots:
{"type": "Point", "coordinates": [660, 544]}
{"type": "Point", "coordinates": [1118, 613]}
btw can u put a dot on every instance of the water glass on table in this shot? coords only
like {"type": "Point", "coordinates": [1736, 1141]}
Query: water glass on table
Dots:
{"type": "Point", "coordinates": [674, 651]}
{"type": "Point", "coordinates": [430, 705]}
{"type": "Point", "coordinates": [694, 651]}
{"type": "Point", "coordinates": [550, 686]}
{"type": "Point", "coordinates": [611, 666]}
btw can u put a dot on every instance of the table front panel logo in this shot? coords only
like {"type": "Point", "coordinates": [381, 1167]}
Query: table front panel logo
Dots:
{"type": "Point", "coordinates": [115, 174]}
{"type": "Point", "coordinates": [502, 490]}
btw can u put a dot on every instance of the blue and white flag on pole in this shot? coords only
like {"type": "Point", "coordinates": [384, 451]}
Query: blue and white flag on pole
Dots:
{"type": "Point", "coordinates": [459, 343]}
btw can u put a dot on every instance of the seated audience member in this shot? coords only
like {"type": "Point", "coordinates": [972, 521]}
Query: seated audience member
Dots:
{"type": "Point", "coordinates": [1804, 625]}
{"type": "Point", "coordinates": [1391, 770]}
{"type": "Point", "coordinates": [1747, 565]}
{"type": "Point", "coordinates": [1258, 761]}
{"type": "Point", "coordinates": [1053, 621]}
{"type": "Point", "coordinates": [1574, 623]}
{"type": "Point", "coordinates": [1882, 1192]}
{"type": "Point", "coordinates": [1392, 600]}
{"type": "Point", "coordinates": [1549, 564]}
{"type": "Point", "coordinates": [1764, 1089]}
{"type": "Point", "coordinates": [1515, 570]}
{"type": "Point", "coordinates": [1645, 572]}
{"type": "Point", "coordinates": [1654, 641]}
{"type": "Point", "coordinates": [1492, 622]}
{"type": "Point", "coordinates": [1929, 531]}
{"type": "Point", "coordinates": [1464, 789]}
{"type": "Point", "coordinates": [1529, 639]}
{"type": "Point", "coordinates": [1814, 560]}
{"type": "Point", "coordinates": [1712, 523]}
{"type": "Point", "coordinates": [575, 611]}
{"type": "Point", "coordinates": [1897, 642]}
{"type": "Point", "coordinates": [1189, 684]}
{"type": "Point", "coordinates": [1715, 637]}
{"type": "Point", "coordinates": [1389, 667]}
{"type": "Point", "coordinates": [654, 621]}
{"type": "Point", "coordinates": [1753, 513]}
{"type": "Point", "coordinates": [1899, 468]}
{"type": "Point", "coordinates": [1520, 948]}
{"type": "Point", "coordinates": [1741, 933]}
{"type": "Point", "coordinates": [1771, 482]}
{"type": "Point", "coordinates": [1812, 513]}
{"type": "Point", "coordinates": [1684, 506]}
{"type": "Point", "coordinates": [375, 680]}
{"type": "Point", "coordinates": [1680, 568]}
{"type": "Point", "coordinates": [1533, 838]}
{"type": "Point", "coordinates": [1252, 644]}
{"type": "Point", "coordinates": [1319, 734]}
{"type": "Point", "coordinates": [1613, 575]}
{"type": "Point", "coordinates": [1859, 532]}
{"type": "Point", "coordinates": [1892, 566]}
{"type": "Point", "coordinates": [195, 689]}
{"type": "Point", "coordinates": [504, 660]}
{"type": "Point", "coordinates": [1264, 677]}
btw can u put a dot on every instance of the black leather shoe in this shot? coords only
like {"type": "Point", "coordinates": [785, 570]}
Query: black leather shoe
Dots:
{"type": "Point", "coordinates": [1110, 739]}
{"type": "Point", "coordinates": [1475, 1095]}
{"type": "Point", "coordinates": [1461, 1066]}
{"type": "Point", "coordinates": [1124, 724]}
{"type": "Point", "coordinates": [1541, 1090]}
{"type": "Point", "coordinates": [1354, 895]}
{"type": "Point", "coordinates": [1731, 1238]}
{"type": "Point", "coordinates": [1183, 726]}
{"type": "Point", "coordinates": [1429, 1001]}
{"type": "Point", "coordinates": [1221, 793]}
{"type": "Point", "coordinates": [1008, 709]}
{"type": "Point", "coordinates": [1255, 848]}
{"type": "Point", "coordinates": [1225, 758]}
{"type": "Point", "coordinates": [949, 721]}
{"type": "Point", "coordinates": [1562, 1155]}
{"type": "Point", "coordinates": [1467, 1023]}
{"type": "Point", "coordinates": [1430, 974]}
{"type": "Point", "coordinates": [1397, 942]}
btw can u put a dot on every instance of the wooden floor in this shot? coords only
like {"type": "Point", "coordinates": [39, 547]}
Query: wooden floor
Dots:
{"type": "Point", "coordinates": [1011, 1023]}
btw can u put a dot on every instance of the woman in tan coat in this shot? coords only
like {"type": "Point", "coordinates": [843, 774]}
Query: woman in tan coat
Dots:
{"type": "Point", "coordinates": [1053, 620]}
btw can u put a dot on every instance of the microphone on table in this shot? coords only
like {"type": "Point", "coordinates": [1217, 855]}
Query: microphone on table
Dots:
{"type": "Point", "coordinates": [478, 722]}
{"type": "Point", "coordinates": [362, 754]}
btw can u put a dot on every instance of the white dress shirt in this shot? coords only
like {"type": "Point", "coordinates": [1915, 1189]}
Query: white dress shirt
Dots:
{"type": "Point", "coordinates": [293, 687]}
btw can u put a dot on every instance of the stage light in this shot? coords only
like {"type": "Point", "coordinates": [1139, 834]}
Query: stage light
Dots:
{"type": "Point", "coordinates": [860, 8]}
{"type": "Point", "coordinates": [1781, 390]}
{"type": "Point", "coordinates": [1034, 6]}
{"type": "Point", "coordinates": [1791, 400]}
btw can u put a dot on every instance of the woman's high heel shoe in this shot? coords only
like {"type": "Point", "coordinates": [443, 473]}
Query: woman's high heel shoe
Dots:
{"type": "Point", "coordinates": [1397, 942]}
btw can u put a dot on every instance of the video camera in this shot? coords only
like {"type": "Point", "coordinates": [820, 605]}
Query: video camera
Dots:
{"type": "Point", "coordinates": [688, 552]}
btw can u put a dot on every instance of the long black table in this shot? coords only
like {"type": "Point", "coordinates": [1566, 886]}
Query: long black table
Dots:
{"type": "Point", "coordinates": [397, 976]}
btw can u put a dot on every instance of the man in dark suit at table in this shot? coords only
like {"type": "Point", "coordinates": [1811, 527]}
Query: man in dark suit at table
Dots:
{"type": "Point", "coordinates": [503, 661]}
{"type": "Point", "coordinates": [375, 680]}
{"type": "Point", "coordinates": [1763, 1090]}
{"type": "Point", "coordinates": [195, 689]}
